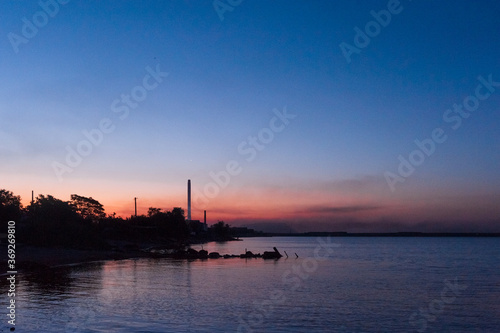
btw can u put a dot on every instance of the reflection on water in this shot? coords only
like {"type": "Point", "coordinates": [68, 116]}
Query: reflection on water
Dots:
{"type": "Point", "coordinates": [367, 284]}
{"type": "Point", "coordinates": [47, 281]}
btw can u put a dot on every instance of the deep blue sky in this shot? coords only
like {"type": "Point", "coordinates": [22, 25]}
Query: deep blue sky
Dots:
{"type": "Point", "coordinates": [325, 171]}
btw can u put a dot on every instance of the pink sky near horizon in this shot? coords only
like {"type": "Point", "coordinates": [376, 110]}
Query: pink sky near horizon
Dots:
{"type": "Point", "coordinates": [305, 206]}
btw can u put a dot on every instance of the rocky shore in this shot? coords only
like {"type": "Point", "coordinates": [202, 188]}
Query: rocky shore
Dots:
{"type": "Point", "coordinates": [32, 258]}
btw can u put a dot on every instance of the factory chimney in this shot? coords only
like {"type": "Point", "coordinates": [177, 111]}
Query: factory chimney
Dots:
{"type": "Point", "coordinates": [189, 200]}
{"type": "Point", "coordinates": [205, 228]}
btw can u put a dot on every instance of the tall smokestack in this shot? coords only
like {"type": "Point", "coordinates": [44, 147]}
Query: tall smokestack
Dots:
{"type": "Point", "coordinates": [189, 200]}
{"type": "Point", "coordinates": [135, 204]}
{"type": "Point", "coordinates": [205, 228]}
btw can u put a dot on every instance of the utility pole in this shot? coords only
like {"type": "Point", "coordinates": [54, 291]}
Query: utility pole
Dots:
{"type": "Point", "coordinates": [32, 196]}
{"type": "Point", "coordinates": [135, 201]}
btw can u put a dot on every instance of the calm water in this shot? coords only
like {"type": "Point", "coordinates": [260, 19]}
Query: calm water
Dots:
{"type": "Point", "coordinates": [345, 285]}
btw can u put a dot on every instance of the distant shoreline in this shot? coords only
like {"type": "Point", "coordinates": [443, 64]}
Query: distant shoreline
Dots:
{"type": "Point", "coordinates": [383, 234]}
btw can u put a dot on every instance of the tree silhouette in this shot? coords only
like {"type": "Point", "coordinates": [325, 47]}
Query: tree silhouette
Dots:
{"type": "Point", "coordinates": [221, 230]}
{"type": "Point", "coordinates": [10, 206]}
{"type": "Point", "coordinates": [88, 208]}
{"type": "Point", "coordinates": [53, 222]}
{"type": "Point", "coordinates": [153, 211]}
{"type": "Point", "coordinates": [172, 224]}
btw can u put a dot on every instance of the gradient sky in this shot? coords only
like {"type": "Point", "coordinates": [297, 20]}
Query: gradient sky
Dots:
{"type": "Point", "coordinates": [324, 170]}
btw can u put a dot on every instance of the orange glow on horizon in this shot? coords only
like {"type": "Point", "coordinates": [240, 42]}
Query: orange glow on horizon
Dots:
{"type": "Point", "coordinates": [242, 205]}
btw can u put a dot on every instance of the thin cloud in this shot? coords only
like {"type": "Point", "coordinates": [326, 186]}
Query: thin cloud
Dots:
{"type": "Point", "coordinates": [343, 209]}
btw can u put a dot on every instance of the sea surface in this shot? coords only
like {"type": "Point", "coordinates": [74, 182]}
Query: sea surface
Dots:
{"type": "Point", "coordinates": [338, 284]}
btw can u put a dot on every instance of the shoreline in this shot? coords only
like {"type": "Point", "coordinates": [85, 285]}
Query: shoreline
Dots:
{"type": "Point", "coordinates": [31, 258]}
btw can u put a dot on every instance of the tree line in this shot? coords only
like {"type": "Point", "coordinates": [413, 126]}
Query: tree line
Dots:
{"type": "Point", "coordinates": [82, 222]}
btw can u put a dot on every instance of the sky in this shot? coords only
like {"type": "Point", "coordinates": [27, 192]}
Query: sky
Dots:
{"type": "Point", "coordinates": [286, 115]}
